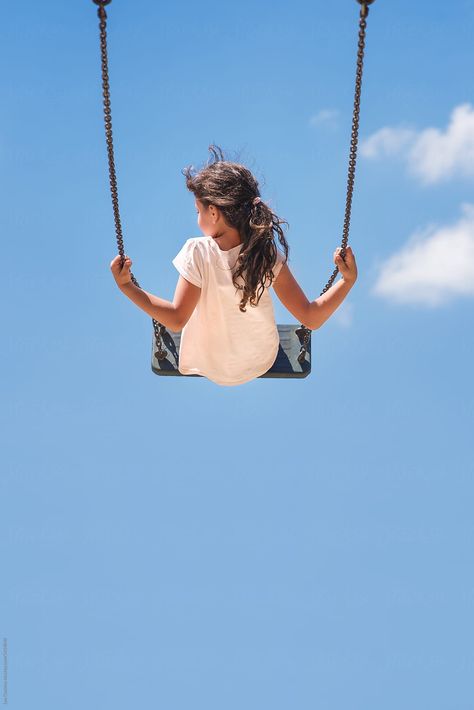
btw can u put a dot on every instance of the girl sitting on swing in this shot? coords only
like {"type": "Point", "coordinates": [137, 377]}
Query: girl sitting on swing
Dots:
{"type": "Point", "coordinates": [228, 269]}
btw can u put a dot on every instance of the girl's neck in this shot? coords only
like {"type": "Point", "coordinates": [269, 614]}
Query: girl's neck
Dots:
{"type": "Point", "coordinates": [226, 242]}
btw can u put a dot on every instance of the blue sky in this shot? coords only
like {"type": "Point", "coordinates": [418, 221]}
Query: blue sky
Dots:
{"type": "Point", "coordinates": [284, 544]}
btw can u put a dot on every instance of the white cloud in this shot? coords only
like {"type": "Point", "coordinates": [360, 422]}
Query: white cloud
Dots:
{"type": "Point", "coordinates": [325, 116]}
{"type": "Point", "coordinates": [387, 141]}
{"type": "Point", "coordinates": [435, 266]}
{"type": "Point", "coordinates": [431, 155]}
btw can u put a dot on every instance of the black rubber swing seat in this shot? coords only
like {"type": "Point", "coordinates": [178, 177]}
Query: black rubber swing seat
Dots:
{"type": "Point", "coordinates": [285, 365]}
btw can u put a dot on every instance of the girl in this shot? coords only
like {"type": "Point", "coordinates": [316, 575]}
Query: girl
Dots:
{"type": "Point", "coordinates": [222, 302]}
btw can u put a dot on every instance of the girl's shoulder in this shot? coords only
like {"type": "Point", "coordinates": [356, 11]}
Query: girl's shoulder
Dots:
{"type": "Point", "coordinates": [198, 245]}
{"type": "Point", "coordinates": [201, 244]}
{"type": "Point", "coordinates": [197, 239]}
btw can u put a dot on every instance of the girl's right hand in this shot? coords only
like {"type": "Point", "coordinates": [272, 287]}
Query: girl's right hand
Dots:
{"type": "Point", "coordinates": [347, 268]}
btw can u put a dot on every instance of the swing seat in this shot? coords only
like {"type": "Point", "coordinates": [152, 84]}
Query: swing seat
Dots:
{"type": "Point", "coordinates": [285, 365]}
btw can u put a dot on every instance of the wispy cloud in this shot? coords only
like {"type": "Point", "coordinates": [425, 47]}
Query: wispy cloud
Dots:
{"type": "Point", "coordinates": [387, 142]}
{"type": "Point", "coordinates": [431, 155]}
{"type": "Point", "coordinates": [435, 266]}
{"type": "Point", "coordinates": [325, 117]}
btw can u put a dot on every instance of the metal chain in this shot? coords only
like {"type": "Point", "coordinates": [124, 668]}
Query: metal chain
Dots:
{"type": "Point", "coordinates": [303, 332]}
{"type": "Point", "coordinates": [159, 328]}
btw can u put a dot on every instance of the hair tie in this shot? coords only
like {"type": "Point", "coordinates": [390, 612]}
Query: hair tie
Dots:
{"type": "Point", "coordinates": [256, 200]}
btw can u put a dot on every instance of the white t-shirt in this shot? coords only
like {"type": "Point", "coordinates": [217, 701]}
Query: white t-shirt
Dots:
{"type": "Point", "coordinates": [219, 341]}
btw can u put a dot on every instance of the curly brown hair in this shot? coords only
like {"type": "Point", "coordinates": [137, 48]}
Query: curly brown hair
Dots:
{"type": "Point", "coordinates": [231, 187]}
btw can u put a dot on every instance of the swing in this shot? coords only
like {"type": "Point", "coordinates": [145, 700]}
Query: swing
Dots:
{"type": "Point", "coordinates": [294, 354]}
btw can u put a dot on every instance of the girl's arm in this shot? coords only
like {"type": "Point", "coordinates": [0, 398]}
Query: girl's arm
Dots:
{"type": "Point", "coordinates": [313, 314]}
{"type": "Point", "coordinates": [173, 315]}
{"type": "Point", "coordinates": [158, 308]}
{"type": "Point", "coordinates": [162, 311]}
{"type": "Point", "coordinates": [323, 307]}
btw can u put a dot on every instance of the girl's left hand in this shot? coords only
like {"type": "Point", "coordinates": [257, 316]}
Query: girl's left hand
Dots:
{"type": "Point", "coordinates": [121, 273]}
{"type": "Point", "coordinates": [347, 266]}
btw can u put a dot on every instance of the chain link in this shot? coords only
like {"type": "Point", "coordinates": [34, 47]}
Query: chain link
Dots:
{"type": "Point", "coordinates": [303, 332]}
{"type": "Point", "coordinates": [159, 328]}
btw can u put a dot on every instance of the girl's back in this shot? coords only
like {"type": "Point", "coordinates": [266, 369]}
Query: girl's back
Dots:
{"type": "Point", "coordinates": [225, 344]}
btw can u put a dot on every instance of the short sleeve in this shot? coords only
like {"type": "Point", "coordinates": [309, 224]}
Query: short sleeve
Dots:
{"type": "Point", "coordinates": [187, 262]}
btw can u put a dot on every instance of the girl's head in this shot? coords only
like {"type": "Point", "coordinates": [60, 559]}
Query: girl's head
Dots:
{"type": "Point", "coordinates": [228, 190]}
